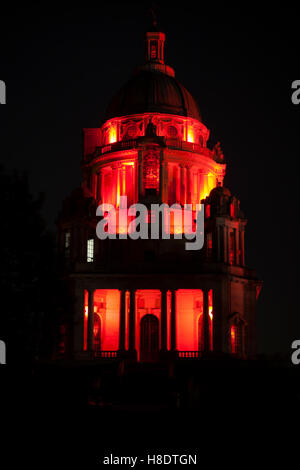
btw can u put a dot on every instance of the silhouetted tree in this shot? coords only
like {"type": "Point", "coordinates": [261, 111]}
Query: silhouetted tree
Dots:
{"type": "Point", "coordinates": [28, 306]}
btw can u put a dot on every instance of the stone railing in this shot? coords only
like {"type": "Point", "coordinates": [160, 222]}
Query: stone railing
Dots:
{"type": "Point", "coordinates": [189, 354]}
{"type": "Point", "coordinates": [174, 143]}
{"type": "Point", "coordinates": [106, 354]}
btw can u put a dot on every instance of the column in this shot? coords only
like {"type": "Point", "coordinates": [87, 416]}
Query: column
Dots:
{"type": "Point", "coordinates": [238, 248]}
{"type": "Point", "coordinates": [182, 185]}
{"type": "Point", "coordinates": [201, 186]}
{"type": "Point", "coordinates": [123, 181]}
{"type": "Point", "coordinates": [132, 321]}
{"type": "Point", "coordinates": [78, 341]}
{"type": "Point", "coordinates": [119, 184]}
{"type": "Point", "coordinates": [173, 320]}
{"type": "Point", "coordinates": [243, 248]}
{"type": "Point", "coordinates": [188, 185]}
{"type": "Point", "coordinates": [205, 320]}
{"type": "Point", "coordinates": [161, 178]}
{"type": "Point", "coordinates": [99, 186]}
{"type": "Point", "coordinates": [197, 192]}
{"type": "Point", "coordinates": [163, 321]}
{"type": "Point", "coordinates": [102, 188]}
{"type": "Point", "coordinates": [136, 181]}
{"type": "Point", "coordinates": [235, 253]}
{"type": "Point", "coordinates": [114, 184]}
{"type": "Point", "coordinates": [226, 245]}
{"type": "Point", "coordinates": [166, 183]}
{"type": "Point", "coordinates": [178, 184]}
{"type": "Point", "coordinates": [122, 321]}
{"type": "Point", "coordinates": [90, 335]}
{"type": "Point", "coordinates": [217, 320]}
{"type": "Point", "coordinates": [140, 178]}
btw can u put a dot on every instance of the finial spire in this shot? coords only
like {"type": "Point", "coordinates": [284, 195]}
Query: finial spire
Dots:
{"type": "Point", "coordinates": [154, 47]}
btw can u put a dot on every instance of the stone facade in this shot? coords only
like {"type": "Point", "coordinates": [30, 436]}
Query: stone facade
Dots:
{"type": "Point", "coordinates": [153, 299]}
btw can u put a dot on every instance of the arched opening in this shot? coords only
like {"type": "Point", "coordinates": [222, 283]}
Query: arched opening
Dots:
{"type": "Point", "coordinates": [236, 334]}
{"type": "Point", "coordinates": [97, 332]}
{"type": "Point", "coordinates": [235, 339]}
{"type": "Point", "coordinates": [149, 338]}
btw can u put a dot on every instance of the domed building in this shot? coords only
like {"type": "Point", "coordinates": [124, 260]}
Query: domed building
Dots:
{"type": "Point", "coordinates": [152, 299]}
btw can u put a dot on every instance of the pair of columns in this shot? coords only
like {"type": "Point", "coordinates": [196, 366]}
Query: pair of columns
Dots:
{"type": "Point", "coordinates": [132, 322]}
{"type": "Point", "coordinates": [224, 246]}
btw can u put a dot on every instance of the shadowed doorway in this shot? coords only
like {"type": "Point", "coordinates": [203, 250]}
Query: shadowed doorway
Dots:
{"type": "Point", "coordinates": [149, 338]}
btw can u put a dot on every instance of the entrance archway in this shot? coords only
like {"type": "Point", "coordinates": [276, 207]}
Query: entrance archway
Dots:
{"type": "Point", "coordinates": [149, 343]}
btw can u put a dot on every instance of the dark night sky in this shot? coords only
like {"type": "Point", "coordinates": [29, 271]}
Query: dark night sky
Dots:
{"type": "Point", "coordinates": [62, 66]}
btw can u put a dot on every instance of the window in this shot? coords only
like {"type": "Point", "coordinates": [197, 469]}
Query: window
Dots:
{"type": "Point", "coordinates": [209, 245]}
{"type": "Point", "coordinates": [90, 250]}
{"type": "Point", "coordinates": [67, 240]}
{"type": "Point", "coordinates": [235, 339]}
{"type": "Point", "coordinates": [172, 131]}
{"type": "Point", "coordinates": [67, 244]}
{"type": "Point", "coordinates": [153, 49]}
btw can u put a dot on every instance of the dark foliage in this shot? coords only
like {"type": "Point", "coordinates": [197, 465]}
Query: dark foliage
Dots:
{"type": "Point", "coordinates": [29, 287]}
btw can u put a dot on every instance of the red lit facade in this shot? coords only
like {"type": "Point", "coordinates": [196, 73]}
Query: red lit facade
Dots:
{"type": "Point", "coordinates": [152, 299]}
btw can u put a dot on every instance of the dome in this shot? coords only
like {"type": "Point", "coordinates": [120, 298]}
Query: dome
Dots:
{"type": "Point", "coordinates": [151, 91]}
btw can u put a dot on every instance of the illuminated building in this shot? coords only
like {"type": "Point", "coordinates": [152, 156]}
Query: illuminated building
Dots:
{"type": "Point", "coordinates": [152, 299]}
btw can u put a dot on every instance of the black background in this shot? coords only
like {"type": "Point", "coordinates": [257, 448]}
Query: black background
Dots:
{"type": "Point", "coordinates": [61, 65]}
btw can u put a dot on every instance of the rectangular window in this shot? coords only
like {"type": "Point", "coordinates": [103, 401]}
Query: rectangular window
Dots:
{"type": "Point", "coordinates": [67, 244]}
{"type": "Point", "coordinates": [235, 339]}
{"type": "Point", "coordinates": [153, 49]}
{"type": "Point", "coordinates": [67, 240]}
{"type": "Point", "coordinates": [209, 245]}
{"type": "Point", "coordinates": [232, 247]}
{"type": "Point", "coordinates": [90, 250]}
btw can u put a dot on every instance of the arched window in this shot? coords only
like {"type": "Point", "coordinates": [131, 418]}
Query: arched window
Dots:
{"type": "Point", "coordinates": [131, 132]}
{"type": "Point", "coordinates": [235, 339]}
{"type": "Point", "coordinates": [236, 331]}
